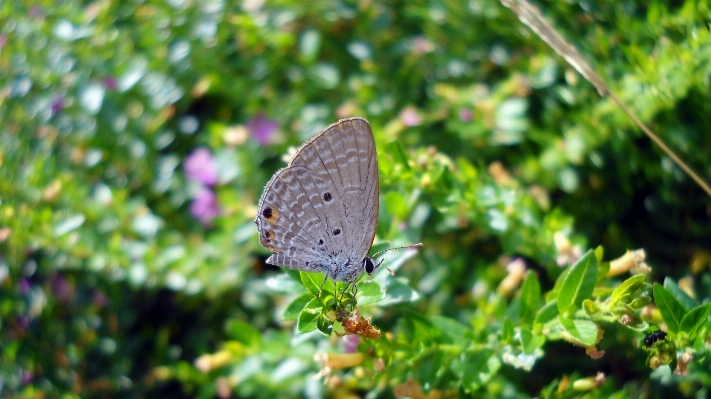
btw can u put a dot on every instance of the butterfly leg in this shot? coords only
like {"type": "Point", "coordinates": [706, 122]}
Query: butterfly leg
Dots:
{"type": "Point", "coordinates": [318, 296]}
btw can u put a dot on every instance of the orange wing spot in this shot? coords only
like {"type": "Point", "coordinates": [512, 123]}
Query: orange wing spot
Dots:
{"type": "Point", "coordinates": [274, 218]}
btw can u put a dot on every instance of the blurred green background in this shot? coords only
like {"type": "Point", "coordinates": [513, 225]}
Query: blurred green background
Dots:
{"type": "Point", "coordinates": [136, 138]}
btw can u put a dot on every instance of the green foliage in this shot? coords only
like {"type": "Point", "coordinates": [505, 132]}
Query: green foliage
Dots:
{"type": "Point", "coordinates": [136, 139]}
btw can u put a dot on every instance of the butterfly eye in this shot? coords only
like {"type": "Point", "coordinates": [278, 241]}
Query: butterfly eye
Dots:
{"type": "Point", "coordinates": [368, 265]}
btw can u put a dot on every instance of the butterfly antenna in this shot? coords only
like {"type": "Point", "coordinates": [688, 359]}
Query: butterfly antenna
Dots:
{"type": "Point", "coordinates": [419, 244]}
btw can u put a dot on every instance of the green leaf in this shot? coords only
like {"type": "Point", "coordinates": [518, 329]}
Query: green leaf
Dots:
{"type": "Point", "coordinates": [547, 313]}
{"type": "Point", "coordinates": [453, 331]}
{"type": "Point", "coordinates": [671, 310]}
{"type": "Point", "coordinates": [529, 341]}
{"type": "Point", "coordinates": [244, 332]}
{"type": "Point", "coordinates": [695, 318]}
{"type": "Point", "coordinates": [398, 154]}
{"type": "Point", "coordinates": [313, 281]}
{"type": "Point", "coordinates": [579, 283]}
{"type": "Point", "coordinates": [419, 329]}
{"type": "Point", "coordinates": [636, 323]}
{"type": "Point", "coordinates": [583, 331]}
{"type": "Point", "coordinates": [293, 310]}
{"type": "Point", "coordinates": [396, 204]}
{"type": "Point", "coordinates": [628, 287]}
{"type": "Point", "coordinates": [479, 367]}
{"type": "Point", "coordinates": [530, 296]}
{"type": "Point", "coordinates": [295, 274]}
{"type": "Point", "coordinates": [370, 292]}
{"type": "Point", "coordinates": [430, 366]}
{"type": "Point", "coordinates": [308, 317]}
{"type": "Point", "coordinates": [507, 330]}
{"type": "Point", "coordinates": [397, 291]}
{"type": "Point", "coordinates": [684, 299]}
{"type": "Point", "coordinates": [592, 310]}
{"type": "Point", "coordinates": [324, 325]}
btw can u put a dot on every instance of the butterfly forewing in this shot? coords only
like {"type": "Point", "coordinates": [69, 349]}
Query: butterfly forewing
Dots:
{"type": "Point", "coordinates": [345, 154]}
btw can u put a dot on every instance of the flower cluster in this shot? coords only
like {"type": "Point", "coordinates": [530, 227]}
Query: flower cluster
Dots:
{"type": "Point", "coordinates": [201, 168]}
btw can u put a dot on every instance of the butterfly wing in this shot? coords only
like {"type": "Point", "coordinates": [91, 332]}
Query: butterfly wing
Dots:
{"type": "Point", "coordinates": [300, 218]}
{"type": "Point", "coordinates": [344, 153]}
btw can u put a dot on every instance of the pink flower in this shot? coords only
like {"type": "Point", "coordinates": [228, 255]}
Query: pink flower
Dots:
{"type": "Point", "coordinates": [350, 343]}
{"type": "Point", "coordinates": [110, 83]}
{"type": "Point", "coordinates": [262, 129]}
{"type": "Point", "coordinates": [61, 287]}
{"type": "Point", "coordinates": [200, 167]}
{"type": "Point", "coordinates": [410, 117]}
{"type": "Point", "coordinates": [204, 206]}
{"type": "Point", "coordinates": [466, 115]}
{"type": "Point", "coordinates": [23, 286]}
{"type": "Point", "coordinates": [57, 104]}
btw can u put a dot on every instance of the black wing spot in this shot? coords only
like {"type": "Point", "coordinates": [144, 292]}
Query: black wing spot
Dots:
{"type": "Point", "coordinates": [336, 232]}
{"type": "Point", "coordinates": [320, 242]}
{"type": "Point", "coordinates": [267, 212]}
{"type": "Point", "coordinates": [327, 197]}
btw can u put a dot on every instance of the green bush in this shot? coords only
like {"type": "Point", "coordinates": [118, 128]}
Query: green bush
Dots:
{"type": "Point", "coordinates": [136, 139]}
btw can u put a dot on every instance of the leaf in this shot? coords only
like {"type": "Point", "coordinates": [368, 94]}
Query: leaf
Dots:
{"type": "Point", "coordinates": [583, 331]}
{"type": "Point", "coordinates": [592, 310]}
{"type": "Point", "coordinates": [398, 152]}
{"type": "Point", "coordinates": [313, 281]}
{"type": "Point", "coordinates": [547, 313]}
{"type": "Point", "coordinates": [695, 318]}
{"type": "Point", "coordinates": [244, 332]}
{"type": "Point", "coordinates": [419, 329]}
{"type": "Point", "coordinates": [370, 292]}
{"type": "Point", "coordinates": [429, 367]}
{"type": "Point", "coordinates": [684, 299]}
{"type": "Point", "coordinates": [579, 283]}
{"type": "Point", "coordinates": [396, 291]}
{"type": "Point", "coordinates": [507, 330]}
{"type": "Point", "coordinates": [628, 287]}
{"type": "Point", "coordinates": [453, 331]}
{"type": "Point", "coordinates": [530, 296]}
{"type": "Point", "coordinates": [636, 323]}
{"type": "Point", "coordinates": [295, 274]}
{"type": "Point", "coordinates": [324, 325]}
{"type": "Point", "coordinates": [529, 341]}
{"type": "Point", "coordinates": [293, 310]}
{"type": "Point", "coordinates": [671, 310]}
{"type": "Point", "coordinates": [308, 317]}
{"type": "Point", "coordinates": [479, 368]}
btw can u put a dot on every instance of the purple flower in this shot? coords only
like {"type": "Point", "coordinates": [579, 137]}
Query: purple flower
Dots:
{"type": "Point", "coordinates": [23, 322]}
{"type": "Point", "coordinates": [23, 286]}
{"type": "Point", "coordinates": [410, 117]}
{"type": "Point", "coordinates": [262, 129]}
{"type": "Point", "coordinates": [100, 299]}
{"type": "Point", "coordinates": [200, 167]}
{"type": "Point", "coordinates": [26, 377]}
{"type": "Point", "coordinates": [61, 288]}
{"type": "Point", "coordinates": [466, 115]}
{"type": "Point", "coordinates": [57, 104]}
{"type": "Point", "coordinates": [110, 83]}
{"type": "Point", "coordinates": [350, 343]}
{"type": "Point", "coordinates": [204, 206]}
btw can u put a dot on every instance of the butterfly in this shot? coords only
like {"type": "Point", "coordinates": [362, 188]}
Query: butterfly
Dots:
{"type": "Point", "coordinates": [319, 213]}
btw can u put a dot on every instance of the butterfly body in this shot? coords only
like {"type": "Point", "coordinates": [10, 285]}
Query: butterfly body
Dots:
{"type": "Point", "coordinates": [320, 212]}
